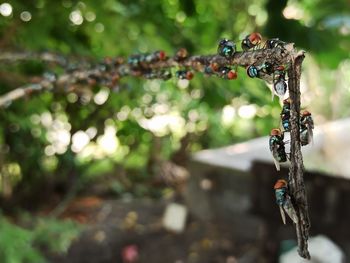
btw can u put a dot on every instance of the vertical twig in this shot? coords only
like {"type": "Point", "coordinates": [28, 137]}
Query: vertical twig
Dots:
{"type": "Point", "coordinates": [296, 171]}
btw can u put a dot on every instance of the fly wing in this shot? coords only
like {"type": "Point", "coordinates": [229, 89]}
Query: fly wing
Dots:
{"type": "Point", "coordinates": [310, 134]}
{"type": "Point", "coordinates": [283, 215]}
{"type": "Point", "coordinates": [277, 164]}
{"type": "Point", "coordinates": [292, 214]}
{"type": "Point", "coordinates": [275, 156]}
{"type": "Point", "coordinates": [311, 122]}
{"type": "Point", "coordinates": [289, 209]}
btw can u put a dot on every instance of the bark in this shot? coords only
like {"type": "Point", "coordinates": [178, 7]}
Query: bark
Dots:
{"type": "Point", "coordinates": [296, 171]}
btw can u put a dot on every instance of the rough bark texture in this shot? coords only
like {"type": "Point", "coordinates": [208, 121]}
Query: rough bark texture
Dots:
{"type": "Point", "coordinates": [296, 171]}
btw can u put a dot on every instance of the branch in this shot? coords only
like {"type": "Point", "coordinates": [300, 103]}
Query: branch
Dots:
{"type": "Point", "coordinates": [296, 177]}
{"type": "Point", "coordinates": [20, 92]}
{"type": "Point", "coordinates": [49, 57]}
{"type": "Point", "coordinates": [110, 71]}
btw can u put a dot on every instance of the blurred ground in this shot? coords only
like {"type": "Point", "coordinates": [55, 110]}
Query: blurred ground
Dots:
{"type": "Point", "coordinates": [231, 207]}
{"type": "Point", "coordinates": [113, 225]}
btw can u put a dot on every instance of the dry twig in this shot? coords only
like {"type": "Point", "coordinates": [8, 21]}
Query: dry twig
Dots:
{"type": "Point", "coordinates": [296, 176]}
{"type": "Point", "coordinates": [110, 72]}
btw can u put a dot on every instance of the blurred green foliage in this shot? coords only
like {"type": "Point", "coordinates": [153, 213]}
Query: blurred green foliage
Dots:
{"type": "Point", "coordinates": [52, 140]}
{"type": "Point", "coordinates": [19, 244]}
{"type": "Point", "coordinates": [37, 133]}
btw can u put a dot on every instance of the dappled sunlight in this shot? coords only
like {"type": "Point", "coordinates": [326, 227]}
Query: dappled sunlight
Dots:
{"type": "Point", "coordinates": [106, 145]}
{"type": "Point", "coordinates": [228, 115]}
{"type": "Point", "coordinates": [101, 96]}
{"type": "Point", "coordinates": [60, 139]}
{"type": "Point", "coordinates": [320, 83]}
{"type": "Point", "coordinates": [247, 111]}
{"type": "Point", "coordinates": [257, 10]}
{"type": "Point", "coordinates": [79, 140]}
{"type": "Point", "coordinates": [91, 132]}
{"type": "Point", "coordinates": [293, 12]}
{"type": "Point", "coordinates": [76, 17]}
{"type": "Point", "coordinates": [10, 175]}
{"type": "Point", "coordinates": [161, 125]}
{"type": "Point", "coordinates": [57, 134]}
{"type": "Point", "coordinates": [123, 114]}
{"type": "Point", "coordinates": [26, 16]}
{"type": "Point", "coordinates": [90, 16]}
{"type": "Point", "coordinates": [5, 9]}
{"type": "Point", "coordinates": [108, 141]}
{"type": "Point", "coordinates": [183, 83]}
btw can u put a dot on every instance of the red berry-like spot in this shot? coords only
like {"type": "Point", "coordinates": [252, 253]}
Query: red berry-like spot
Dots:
{"type": "Point", "coordinates": [162, 55]}
{"type": "Point", "coordinates": [232, 74]}
{"type": "Point", "coordinates": [189, 75]}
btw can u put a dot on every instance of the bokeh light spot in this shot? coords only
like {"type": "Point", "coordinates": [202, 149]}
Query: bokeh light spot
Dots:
{"type": "Point", "coordinates": [25, 16]}
{"type": "Point", "coordinates": [90, 16]}
{"type": "Point", "coordinates": [76, 17]}
{"type": "Point", "coordinates": [5, 9]}
{"type": "Point", "coordinates": [99, 27]}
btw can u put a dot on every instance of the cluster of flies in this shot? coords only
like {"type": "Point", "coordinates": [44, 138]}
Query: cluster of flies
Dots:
{"type": "Point", "coordinates": [157, 65]}
{"type": "Point", "coordinates": [140, 64]}
{"type": "Point", "coordinates": [277, 148]}
{"type": "Point", "coordinates": [267, 71]}
{"type": "Point", "coordinates": [264, 70]}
